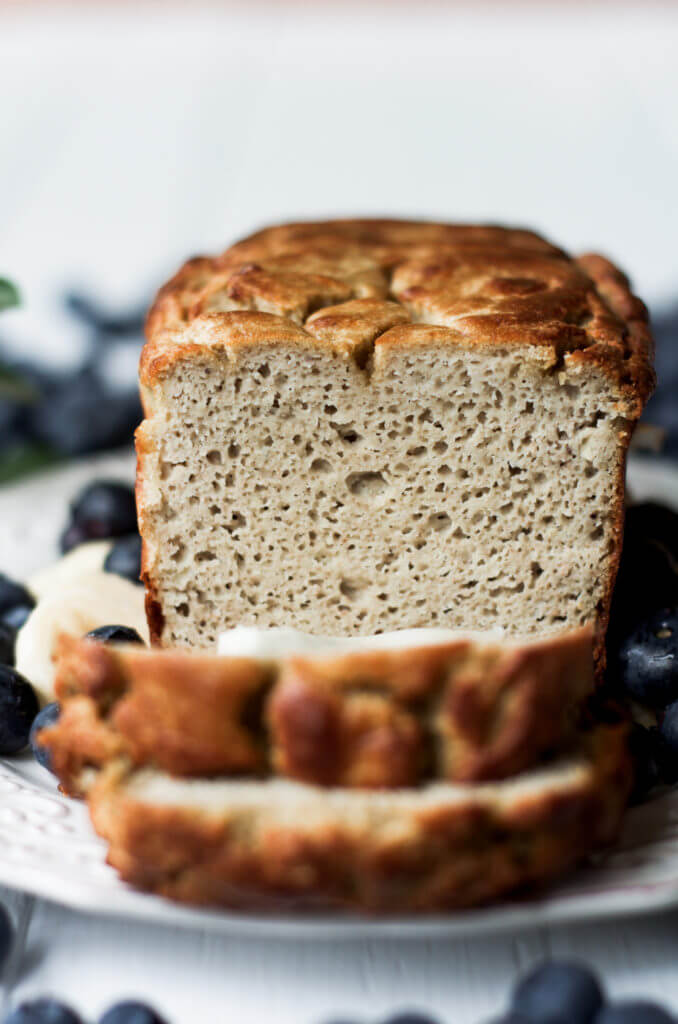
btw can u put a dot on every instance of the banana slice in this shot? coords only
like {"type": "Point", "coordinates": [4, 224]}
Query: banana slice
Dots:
{"type": "Point", "coordinates": [74, 604]}
{"type": "Point", "coordinates": [85, 558]}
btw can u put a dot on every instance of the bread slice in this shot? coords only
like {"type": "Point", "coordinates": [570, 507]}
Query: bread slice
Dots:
{"type": "Point", "coordinates": [361, 426]}
{"type": "Point", "coordinates": [476, 707]}
{"type": "Point", "coordinates": [286, 844]}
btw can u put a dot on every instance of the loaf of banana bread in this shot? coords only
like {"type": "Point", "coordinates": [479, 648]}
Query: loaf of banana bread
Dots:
{"type": "Point", "coordinates": [359, 426]}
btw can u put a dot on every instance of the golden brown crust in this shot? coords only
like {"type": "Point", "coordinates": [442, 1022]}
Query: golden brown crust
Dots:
{"type": "Point", "coordinates": [635, 367]}
{"type": "Point", "coordinates": [353, 326]}
{"type": "Point", "coordinates": [480, 285]}
{"type": "Point", "coordinates": [633, 361]}
{"type": "Point", "coordinates": [463, 711]}
{"type": "Point", "coordinates": [184, 713]}
{"type": "Point", "coordinates": [422, 852]}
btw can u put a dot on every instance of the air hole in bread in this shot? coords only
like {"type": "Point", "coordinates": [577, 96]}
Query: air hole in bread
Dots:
{"type": "Point", "coordinates": [440, 522]}
{"type": "Point", "coordinates": [366, 485]}
{"type": "Point", "coordinates": [352, 588]}
{"type": "Point", "coordinates": [347, 432]}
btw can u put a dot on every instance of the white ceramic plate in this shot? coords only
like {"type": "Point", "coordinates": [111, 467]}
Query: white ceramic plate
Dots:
{"type": "Point", "coordinates": [48, 848]}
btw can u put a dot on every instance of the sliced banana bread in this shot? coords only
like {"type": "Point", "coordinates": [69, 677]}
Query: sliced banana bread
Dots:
{"type": "Point", "coordinates": [279, 844]}
{"type": "Point", "coordinates": [475, 708]}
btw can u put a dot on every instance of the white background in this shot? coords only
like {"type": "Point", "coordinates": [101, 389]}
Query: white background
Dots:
{"type": "Point", "coordinates": [131, 138]}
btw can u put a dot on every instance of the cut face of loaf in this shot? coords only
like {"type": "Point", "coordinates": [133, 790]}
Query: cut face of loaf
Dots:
{"type": "Point", "coordinates": [474, 708]}
{"type": "Point", "coordinates": [363, 426]}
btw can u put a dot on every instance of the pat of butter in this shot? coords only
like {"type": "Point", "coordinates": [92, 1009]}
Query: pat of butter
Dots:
{"type": "Point", "coordinates": [283, 641]}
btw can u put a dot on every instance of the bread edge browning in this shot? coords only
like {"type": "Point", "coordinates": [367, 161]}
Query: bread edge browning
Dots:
{"type": "Point", "coordinates": [469, 710]}
{"type": "Point", "coordinates": [428, 855]}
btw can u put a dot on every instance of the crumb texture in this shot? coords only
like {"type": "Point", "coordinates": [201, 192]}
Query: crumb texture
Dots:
{"type": "Point", "coordinates": [361, 426]}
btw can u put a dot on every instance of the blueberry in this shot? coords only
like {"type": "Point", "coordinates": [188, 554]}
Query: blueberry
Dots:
{"type": "Point", "coordinates": [6, 937]}
{"type": "Point", "coordinates": [131, 1013]}
{"type": "Point", "coordinates": [74, 535]}
{"type": "Point", "coordinates": [124, 558]}
{"type": "Point", "coordinates": [15, 617]}
{"type": "Point", "coordinates": [646, 660]}
{"type": "Point", "coordinates": [18, 708]}
{"type": "Point", "coordinates": [649, 521]}
{"type": "Point", "coordinates": [102, 321]}
{"type": "Point", "coordinates": [48, 716]}
{"type": "Point", "coordinates": [13, 595]}
{"type": "Point", "coordinates": [634, 1012]}
{"type": "Point", "coordinates": [12, 424]}
{"type": "Point", "coordinates": [410, 1017]}
{"type": "Point", "coordinates": [43, 1011]}
{"type": "Point", "coordinates": [647, 580]}
{"type": "Point", "coordinates": [668, 727]}
{"type": "Point", "coordinates": [558, 993]}
{"type": "Point", "coordinates": [83, 416]}
{"type": "Point", "coordinates": [114, 635]}
{"type": "Point", "coordinates": [666, 754]}
{"type": "Point", "coordinates": [7, 644]}
{"type": "Point", "coordinates": [105, 508]}
{"type": "Point", "coordinates": [643, 747]}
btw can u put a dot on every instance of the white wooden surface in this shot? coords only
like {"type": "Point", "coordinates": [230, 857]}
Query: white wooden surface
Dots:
{"type": "Point", "coordinates": [197, 977]}
{"type": "Point", "coordinates": [130, 139]}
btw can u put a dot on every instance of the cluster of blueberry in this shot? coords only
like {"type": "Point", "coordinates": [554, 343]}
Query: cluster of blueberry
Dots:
{"type": "Point", "coordinates": [19, 705]}
{"type": "Point", "coordinates": [643, 640]}
{"type": "Point", "coordinates": [559, 992]}
{"type": "Point", "coordinates": [554, 992]}
{"type": "Point", "coordinates": [104, 509]}
{"type": "Point", "coordinates": [51, 1011]}
{"type": "Point", "coordinates": [47, 414]}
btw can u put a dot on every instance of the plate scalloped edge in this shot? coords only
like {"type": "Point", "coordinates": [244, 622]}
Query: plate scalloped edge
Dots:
{"type": "Point", "coordinates": [48, 848]}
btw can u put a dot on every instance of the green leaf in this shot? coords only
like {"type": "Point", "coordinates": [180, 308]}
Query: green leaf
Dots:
{"type": "Point", "coordinates": [22, 459]}
{"type": "Point", "coordinates": [14, 387]}
{"type": "Point", "coordinates": [9, 294]}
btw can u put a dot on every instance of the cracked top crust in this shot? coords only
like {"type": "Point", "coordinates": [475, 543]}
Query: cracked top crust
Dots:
{"type": "Point", "coordinates": [360, 285]}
